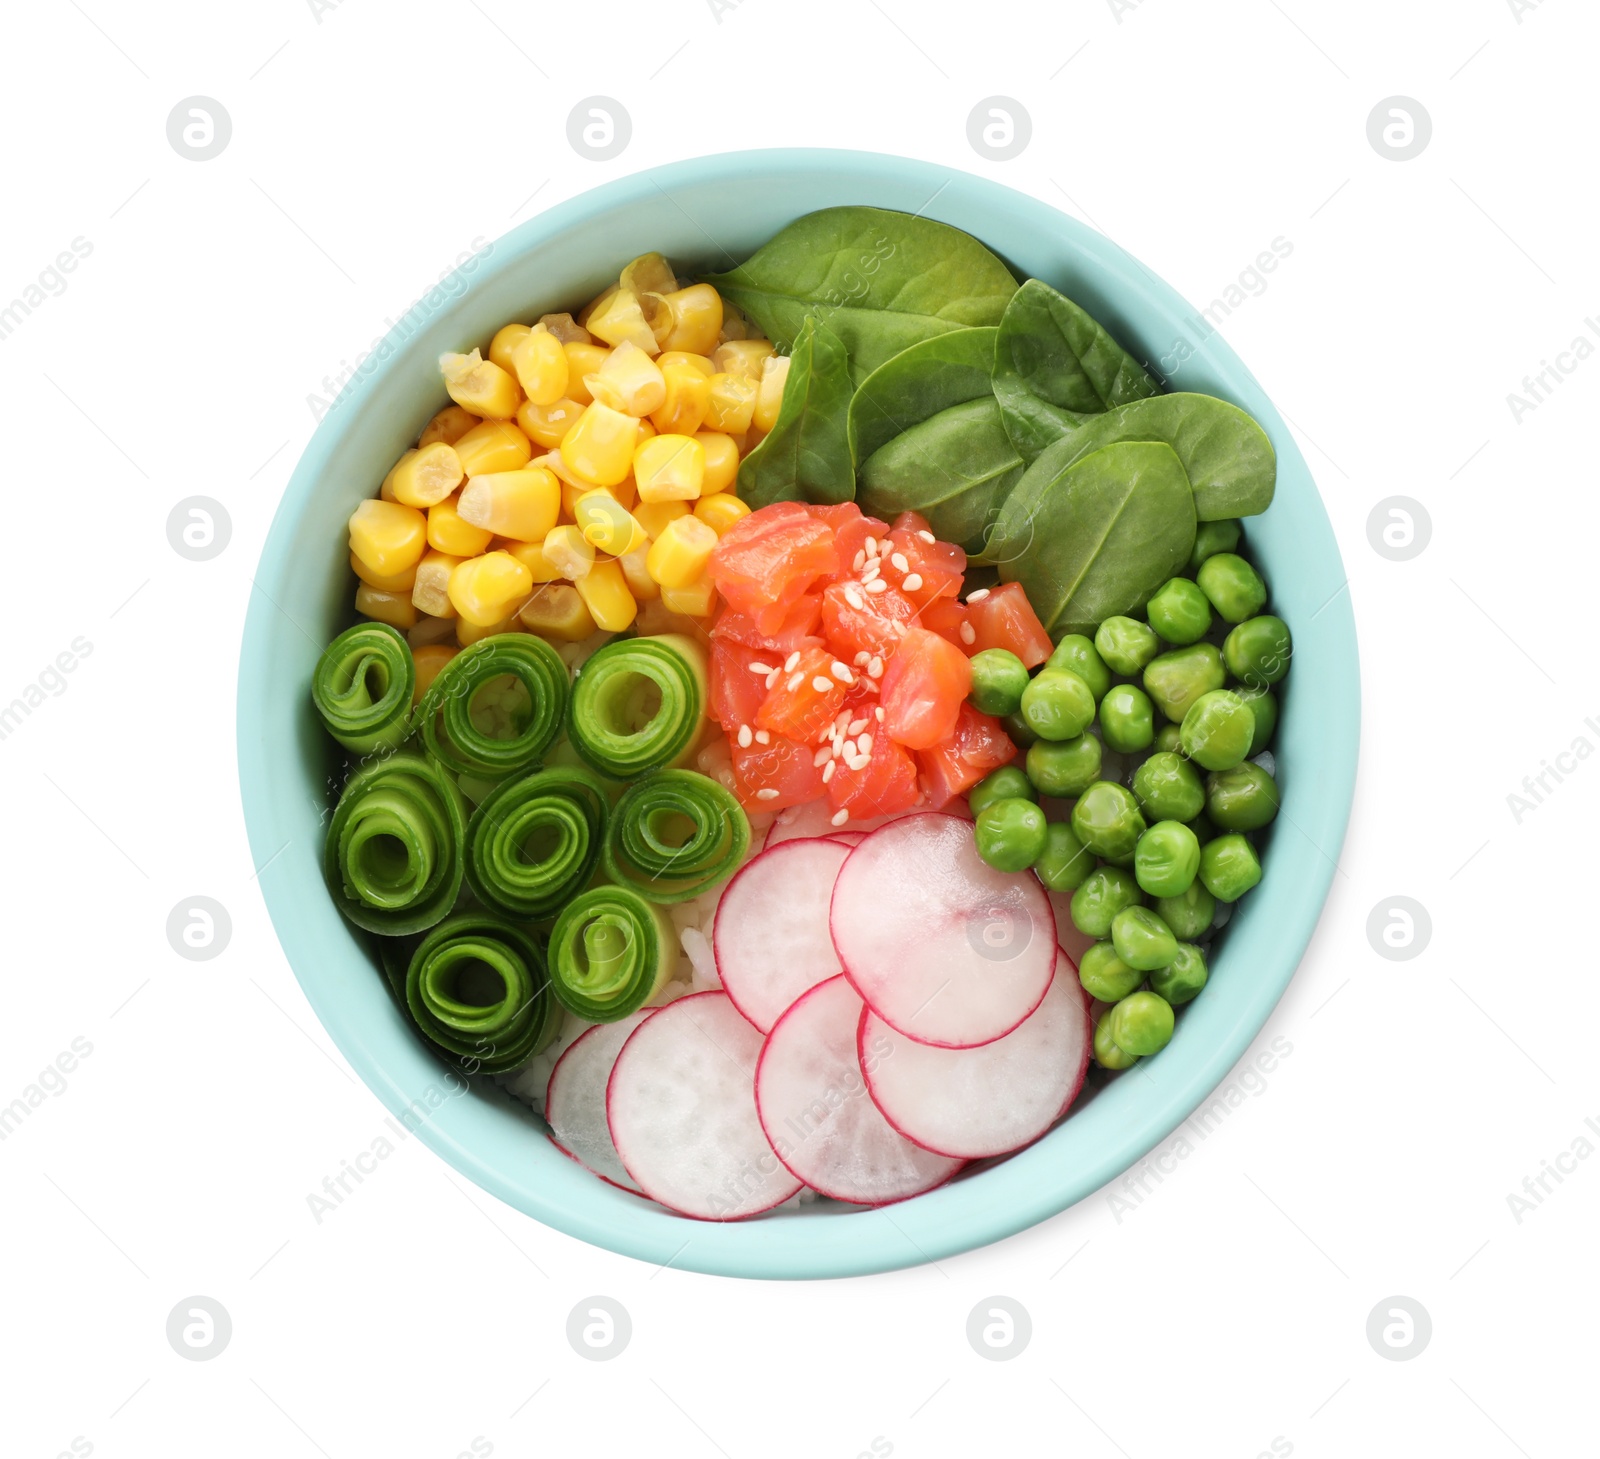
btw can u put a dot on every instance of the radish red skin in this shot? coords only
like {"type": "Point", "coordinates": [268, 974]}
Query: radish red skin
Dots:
{"type": "Point", "coordinates": [567, 1069]}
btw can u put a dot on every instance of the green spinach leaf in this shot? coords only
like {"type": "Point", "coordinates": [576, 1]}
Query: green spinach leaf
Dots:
{"type": "Point", "coordinates": [879, 280]}
{"type": "Point", "coordinates": [1055, 366]}
{"type": "Point", "coordinates": [1095, 538]}
{"type": "Point", "coordinates": [948, 369]}
{"type": "Point", "coordinates": [806, 455]}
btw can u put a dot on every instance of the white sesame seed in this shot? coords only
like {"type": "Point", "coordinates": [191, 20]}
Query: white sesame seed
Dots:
{"type": "Point", "coordinates": [877, 585]}
{"type": "Point", "coordinates": [967, 634]}
{"type": "Point", "coordinates": [763, 738]}
{"type": "Point", "coordinates": [899, 628]}
{"type": "Point", "coordinates": [835, 752]}
{"type": "Point", "coordinates": [872, 547]}
{"type": "Point", "coordinates": [875, 668]}
{"type": "Point", "coordinates": [859, 763]}
{"type": "Point", "coordinates": [864, 744]}
{"type": "Point", "coordinates": [849, 749]}
{"type": "Point", "coordinates": [827, 771]}
{"type": "Point", "coordinates": [745, 737]}
{"type": "Point", "coordinates": [853, 597]}
{"type": "Point", "coordinates": [756, 668]}
{"type": "Point", "coordinates": [871, 571]}
{"type": "Point", "coordinates": [927, 536]}
{"type": "Point", "coordinates": [766, 795]}
{"type": "Point", "coordinates": [841, 672]}
{"type": "Point", "coordinates": [856, 726]}
{"type": "Point", "coordinates": [862, 659]}
{"type": "Point", "coordinates": [913, 581]}
{"type": "Point", "coordinates": [821, 685]}
{"type": "Point", "coordinates": [978, 596]}
{"type": "Point", "coordinates": [791, 661]}
{"type": "Point", "coordinates": [898, 560]}
{"type": "Point", "coordinates": [795, 681]}
{"type": "Point", "coordinates": [880, 714]}
{"type": "Point", "coordinates": [772, 678]}
{"type": "Point", "coordinates": [842, 720]}
{"type": "Point", "coordinates": [822, 757]}
{"type": "Point", "coordinates": [839, 818]}
{"type": "Point", "coordinates": [860, 561]}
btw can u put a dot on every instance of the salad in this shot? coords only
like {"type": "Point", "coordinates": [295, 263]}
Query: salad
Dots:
{"type": "Point", "coordinates": [798, 719]}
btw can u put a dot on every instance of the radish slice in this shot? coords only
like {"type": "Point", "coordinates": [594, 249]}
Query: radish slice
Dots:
{"type": "Point", "coordinates": [848, 838]}
{"type": "Point", "coordinates": [682, 1112]}
{"type": "Point", "coordinates": [818, 1115]}
{"type": "Point", "coordinates": [1068, 938]}
{"type": "Point", "coordinates": [974, 1103]}
{"type": "Point", "coordinates": [771, 935]}
{"type": "Point", "coordinates": [941, 946]}
{"type": "Point", "coordinates": [815, 818]}
{"type": "Point", "coordinates": [575, 1101]}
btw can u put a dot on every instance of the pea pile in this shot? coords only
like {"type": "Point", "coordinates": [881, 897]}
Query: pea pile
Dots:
{"type": "Point", "coordinates": [1160, 834]}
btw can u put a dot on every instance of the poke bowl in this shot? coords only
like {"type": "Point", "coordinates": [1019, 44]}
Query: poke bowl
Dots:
{"type": "Point", "coordinates": [376, 748]}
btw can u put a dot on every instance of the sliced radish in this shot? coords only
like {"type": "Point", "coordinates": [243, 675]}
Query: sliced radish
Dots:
{"type": "Point", "coordinates": [815, 818]}
{"type": "Point", "coordinates": [771, 935]}
{"type": "Point", "coordinates": [1068, 938]}
{"type": "Point", "coordinates": [848, 838]}
{"type": "Point", "coordinates": [575, 1101]}
{"type": "Point", "coordinates": [818, 1115]}
{"type": "Point", "coordinates": [681, 1108]}
{"type": "Point", "coordinates": [942, 947]}
{"type": "Point", "coordinates": [974, 1103]}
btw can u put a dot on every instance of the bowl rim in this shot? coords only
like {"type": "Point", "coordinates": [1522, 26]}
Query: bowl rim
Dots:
{"type": "Point", "coordinates": [1029, 1186]}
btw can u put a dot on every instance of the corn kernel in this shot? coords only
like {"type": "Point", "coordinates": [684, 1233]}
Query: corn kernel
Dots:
{"type": "Point", "coordinates": [391, 608]}
{"type": "Point", "coordinates": [468, 634]}
{"type": "Point", "coordinates": [605, 594]}
{"type": "Point", "coordinates": [428, 631]}
{"type": "Point", "coordinates": [387, 536]}
{"type": "Point", "coordinates": [488, 589]}
{"type": "Point", "coordinates": [429, 659]}
{"type": "Point", "coordinates": [606, 524]}
{"type": "Point", "coordinates": [503, 346]}
{"type": "Point", "coordinates": [600, 446]}
{"type": "Point", "coordinates": [680, 554]}
{"type": "Point", "coordinates": [732, 403]}
{"type": "Point", "coordinates": [629, 381]}
{"type": "Point", "coordinates": [480, 385]}
{"type": "Point", "coordinates": [545, 425]}
{"type": "Point", "coordinates": [431, 593]}
{"type": "Point", "coordinates": [687, 357]}
{"type": "Point", "coordinates": [769, 393]}
{"type": "Point", "coordinates": [449, 426]}
{"type": "Point", "coordinates": [600, 300]}
{"type": "Point", "coordinates": [655, 617]}
{"type": "Point", "coordinates": [384, 582]}
{"type": "Point", "coordinates": [742, 357]}
{"type": "Point", "coordinates": [448, 533]}
{"type": "Point", "coordinates": [582, 360]}
{"type": "Point", "coordinates": [425, 476]}
{"type": "Point", "coordinates": [496, 445]}
{"type": "Point", "coordinates": [557, 611]}
{"type": "Point", "coordinates": [620, 318]}
{"type": "Point", "coordinates": [636, 573]}
{"type": "Point", "coordinates": [735, 325]}
{"type": "Point", "coordinates": [540, 365]}
{"type": "Point", "coordinates": [521, 504]}
{"type": "Point", "coordinates": [650, 273]}
{"type": "Point", "coordinates": [654, 516]}
{"type": "Point", "coordinates": [646, 430]}
{"type": "Point", "coordinates": [658, 315]}
{"type": "Point", "coordinates": [696, 319]}
{"type": "Point", "coordinates": [685, 400]}
{"type": "Point", "coordinates": [695, 600]}
{"type": "Point", "coordinates": [722, 461]}
{"type": "Point", "coordinates": [531, 556]}
{"type": "Point", "coordinates": [569, 551]}
{"type": "Point", "coordinates": [566, 329]}
{"type": "Point", "coordinates": [720, 511]}
{"type": "Point", "coordinates": [669, 468]}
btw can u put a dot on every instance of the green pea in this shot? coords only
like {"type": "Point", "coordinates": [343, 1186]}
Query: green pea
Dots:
{"type": "Point", "coordinates": [1104, 893]}
{"type": "Point", "coordinates": [1177, 678]}
{"type": "Point", "coordinates": [1019, 729]}
{"type": "Point", "coordinates": [1126, 645]}
{"type": "Point", "coordinates": [1210, 538]}
{"type": "Point", "coordinates": [1183, 978]}
{"type": "Point", "coordinates": [1233, 586]}
{"type": "Point", "coordinates": [1006, 783]}
{"type": "Point", "coordinates": [1106, 1054]}
{"type": "Point", "coordinates": [1064, 768]}
{"type": "Point", "coordinates": [1257, 651]}
{"type": "Point", "coordinates": [1217, 730]}
{"type": "Point", "coordinates": [1167, 740]}
{"type": "Point", "coordinates": [1142, 939]}
{"type": "Point", "coordinates": [1057, 704]}
{"type": "Point", "coordinates": [1105, 976]}
{"type": "Point", "coordinates": [1011, 834]}
{"type": "Point", "coordinates": [1079, 655]}
{"type": "Point", "coordinates": [1127, 719]}
{"type": "Point", "coordinates": [1141, 1024]}
{"type": "Point", "coordinates": [1107, 820]}
{"type": "Point", "coordinates": [1244, 798]}
{"type": "Point", "coordinates": [1064, 864]}
{"type": "Point", "coordinates": [1169, 788]}
{"type": "Point", "coordinates": [1263, 704]}
{"type": "Point", "coordinates": [998, 679]}
{"type": "Point", "coordinates": [1228, 867]}
{"type": "Point", "coordinates": [1179, 612]}
{"type": "Point", "coordinates": [1166, 860]}
{"type": "Point", "coordinates": [1189, 916]}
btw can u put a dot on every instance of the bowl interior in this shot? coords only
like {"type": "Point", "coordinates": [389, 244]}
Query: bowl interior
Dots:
{"type": "Point", "coordinates": [710, 213]}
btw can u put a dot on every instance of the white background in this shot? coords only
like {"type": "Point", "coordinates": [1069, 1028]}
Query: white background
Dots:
{"type": "Point", "coordinates": [1228, 1309]}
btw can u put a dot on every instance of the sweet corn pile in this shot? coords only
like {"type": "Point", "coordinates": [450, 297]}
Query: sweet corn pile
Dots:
{"type": "Point", "coordinates": [580, 479]}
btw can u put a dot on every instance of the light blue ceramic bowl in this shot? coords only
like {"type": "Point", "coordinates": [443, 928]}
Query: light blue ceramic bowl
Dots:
{"type": "Point", "coordinates": [709, 213]}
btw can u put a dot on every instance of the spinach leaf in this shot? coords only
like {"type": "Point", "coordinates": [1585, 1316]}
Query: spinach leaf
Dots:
{"type": "Point", "coordinates": [956, 468]}
{"type": "Point", "coordinates": [806, 455]}
{"type": "Point", "coordinates": [1055, 366]}
{"type": "Point", "coordinates": [949, 369]}
{"type": "Point", "coordinates": [1094, 538]}
{"type": "Point", "coordinates": [1229, 460]}
{"type": "Point", "coordinates": [880, 280]}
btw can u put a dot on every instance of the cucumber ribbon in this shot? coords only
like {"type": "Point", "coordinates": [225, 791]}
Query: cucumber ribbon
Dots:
{"type": "Point", "coordinates": [535, 840]}
{"type": "Point", "coordinates": [673, 834]}
{"type": "Point", "coordinates": [362, 688]}
{"type": "Point", "coordinates": [610, 953]}
{"type": "Point", "coordinates": [496, 707]}
{"type": "Point", "coordinates": [638, 704]}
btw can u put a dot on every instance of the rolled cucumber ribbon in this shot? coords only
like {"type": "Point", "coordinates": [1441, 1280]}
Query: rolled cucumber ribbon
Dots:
{"type": "Point", "coordinates": [478, 990]}
{"type": "Point", "coordinates": [496, 707]}
{"type": "Point", "coordinates": [673, 834]}
{"type": "Point", "coordinates": [638, 704]}
{"type": "Point", "coordinates": [362, 688]}
{"type": "Point", "coordinates": [535, 841]}
{"type": "Point", "coordinates": [610, 953]}
{"type": "Point", "coordinates": [392, 859]}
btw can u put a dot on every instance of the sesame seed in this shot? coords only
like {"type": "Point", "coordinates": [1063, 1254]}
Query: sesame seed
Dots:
{"type": "Point", "coordinates": [821, 685]}
{"type": "Point", "coordinates": [861, 560]}
{"type": "Point", "coordinates": [842, 720]}
{"type": "Point", "coordinates": [839, 818]}
{"type": "Point", "coordinates": [900, 563]}
{"type": "Point", "coordinates": [822, 757]}
{"type": "Point", "coordinates": [853, 597]}
{"type": "Point", "coordinates": [856, 726]}
{"type": "Point", "coordinates": [859, 763]}
{"type": "Point", "coordinates": [978, 596]}
{"type": "Point", "coordinates": [795, 681]}
{"type": "Point", "coordinates": [864, 744]}
{"type": "Point", "coordinates": [849, 749]}
{"type": "Point", "coordinates": [791, 661]}
{"type": "Point", "coordinates": [967, 634]}
{"type": "Point", "coordinates": [763, 738]}
{"type": "Point", "coordinates": [871, 571]}
{"type": "Point", "coordinates": [913, 581]}
{"type": "Point", "coordinates": [760, 668]}
{"type": "Point", "coordinates": [875, 668]}
{"type": "Point", "coordinates": [872, 547]}
{"type": "Point", "coordinates": [861, 659]}
{"type": "Point", "coordinates": [927, 536]}
{"type": "Point", "coordinates": [745, 737]}
{"type": "Point", "coordinates": [827, 771]}
{"type": "Point", "coordinates": [766, 795]}
{"type": "Point", "coordinates": [836, 747]}
{"type": "Point", "coordinates": [772, 678]}
{"type": "Point", "coordinates": [880, 714]}
{"type": "Point", "coordinates": [877, 585]}
{"type": "Point", "coordinates": [841, 672]}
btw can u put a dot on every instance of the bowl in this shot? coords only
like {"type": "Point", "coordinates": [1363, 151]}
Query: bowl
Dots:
{"type": "Point", "coordinates": [709, 213]}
